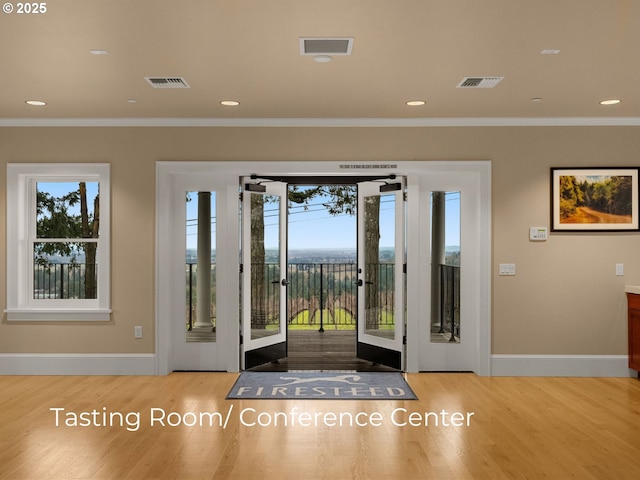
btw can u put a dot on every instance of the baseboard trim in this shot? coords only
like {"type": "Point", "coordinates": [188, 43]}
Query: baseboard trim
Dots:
{"type": "Point", "coordinates": [505, 365]}
{"type": "Point", "coordinates": [77, 364]}
{"type": "Point", "coordinates": [502, 365]}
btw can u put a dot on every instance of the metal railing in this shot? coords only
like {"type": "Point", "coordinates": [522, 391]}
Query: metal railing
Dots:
{"type": "Point", "coordinates": [325, 295]}
{"type": "Point", "coordinates": [321, 295]}
{"type": "Point", "coordinates": [62, 280]}
{"type": "Point", "coordinates": [450, 301]}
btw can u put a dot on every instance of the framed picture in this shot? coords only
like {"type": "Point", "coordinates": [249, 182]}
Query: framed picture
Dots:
{"type": "Point", "coordinates": [594, 199]}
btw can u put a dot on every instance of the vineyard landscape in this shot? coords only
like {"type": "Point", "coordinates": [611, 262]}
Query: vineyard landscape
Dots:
{"type": "Point", "coordinates": [595, 199]}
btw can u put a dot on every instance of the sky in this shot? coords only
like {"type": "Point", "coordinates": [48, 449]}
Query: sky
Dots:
{"type": "Point", "coordinates": [308, 229]}
{"type": "Point", "coordinates": [60, 189]}
{"type": "Point", "coordinates": [315, 228]}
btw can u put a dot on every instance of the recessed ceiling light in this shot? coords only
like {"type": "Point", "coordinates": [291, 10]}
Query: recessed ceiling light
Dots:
{"type": "Point", "coordinates": [36, 103]}
{"type": "Point", "coordinates": [536, 99]}
{"type": "Point", "coordinates": [550, 52]}
{"type": "Point", "coordinates": [98, 52]}
{"type": "Point", "coordinates": [612, 101]}
{"type": "Point", "coordinates": [229, 103]}
{"type": "Point", "coordinates": [323, 58]}
{"type": "Point", "coordinates": [131, 100]}
{"type": "Point", "coordinates": [416, 103]}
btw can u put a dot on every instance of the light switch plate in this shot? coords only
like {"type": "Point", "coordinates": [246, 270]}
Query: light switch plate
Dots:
{"type": "Point", "coordinates": [619, 269]}
{"type": "Point", "coordinates": [507, 269]}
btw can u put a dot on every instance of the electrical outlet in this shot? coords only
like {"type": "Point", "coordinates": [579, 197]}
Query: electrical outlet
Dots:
{"type": "Point", "coordinates": [137, 331]}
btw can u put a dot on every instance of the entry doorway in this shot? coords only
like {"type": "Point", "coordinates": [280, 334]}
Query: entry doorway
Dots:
{"type": "Point", "coordinates": [471, 326]}
{"type": "Point", "coordinates": [323, 273]}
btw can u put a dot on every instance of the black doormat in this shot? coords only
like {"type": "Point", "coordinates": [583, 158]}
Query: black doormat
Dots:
{"type": "Point", "coordinates": [322, 386]}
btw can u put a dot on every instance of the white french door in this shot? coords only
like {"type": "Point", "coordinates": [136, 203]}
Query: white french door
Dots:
{"type": "Point", "coordinates": [381, 282]}
{"type": "Point", "coordinates": [264, 270]}
{"type": "Point", "coordinates": [472, 326]}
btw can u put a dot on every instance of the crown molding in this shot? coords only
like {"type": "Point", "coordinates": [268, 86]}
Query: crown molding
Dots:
{"type": "Point", "coordinates": [326, 122]}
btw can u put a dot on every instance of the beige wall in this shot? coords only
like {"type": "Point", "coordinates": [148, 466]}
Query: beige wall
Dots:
{"type": "Point", "coordinates": [565, 298]}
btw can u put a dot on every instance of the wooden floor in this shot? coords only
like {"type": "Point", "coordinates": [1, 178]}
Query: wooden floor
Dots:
{"type": "Point", "coordinates": [328, 350]}
{"type": "Point", "coordinates": [521, 428]}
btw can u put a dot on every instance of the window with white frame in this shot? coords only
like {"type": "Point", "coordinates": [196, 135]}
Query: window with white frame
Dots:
{"type": "Point", "coordinates": [58, 242]}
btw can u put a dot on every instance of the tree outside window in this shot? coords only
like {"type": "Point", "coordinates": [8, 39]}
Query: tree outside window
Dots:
{"type": "Point", "coordinates": [66, 247]}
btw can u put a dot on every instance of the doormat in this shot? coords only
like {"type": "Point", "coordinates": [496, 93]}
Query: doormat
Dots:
{"type": "Point", "coordinates": [322, 386]}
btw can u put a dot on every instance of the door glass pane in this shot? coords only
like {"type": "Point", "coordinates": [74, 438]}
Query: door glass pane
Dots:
{"type": "Point", "coordinates": [201, 267]}
{"type": "Point", "coordinates": [380, 248]}
{"type": "Point", "coordinates": [265, 265]}
{"type": "Point", "coordinates": [445, 267]}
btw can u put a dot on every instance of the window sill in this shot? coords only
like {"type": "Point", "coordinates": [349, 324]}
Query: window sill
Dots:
{"type": "Point", "coordinates": [69, 315]}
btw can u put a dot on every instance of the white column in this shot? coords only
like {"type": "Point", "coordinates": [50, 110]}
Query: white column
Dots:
{"type": "Point", "coordinates": [203, 313]}
{"type": "Point", "coordinates": [437, 252]}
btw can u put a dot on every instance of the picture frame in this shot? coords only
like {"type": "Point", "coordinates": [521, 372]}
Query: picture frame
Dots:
{"type": "Point", "coordinates": [594, 199]}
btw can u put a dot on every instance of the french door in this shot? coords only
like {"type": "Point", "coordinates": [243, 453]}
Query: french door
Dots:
{"type": "Point", "coordinates": [381, 279]}
{"type": "Point", "coordinates": [470, 326]}
{"type": "Point", "coordinates": [264, 269]}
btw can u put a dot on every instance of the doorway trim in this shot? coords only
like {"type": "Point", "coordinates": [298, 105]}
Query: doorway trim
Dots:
{"type": "Point", "coordinates": [168, 172]}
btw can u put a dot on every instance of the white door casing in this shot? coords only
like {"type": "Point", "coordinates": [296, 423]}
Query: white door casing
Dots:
{"type": "Point", "coordinates": [471, 178]}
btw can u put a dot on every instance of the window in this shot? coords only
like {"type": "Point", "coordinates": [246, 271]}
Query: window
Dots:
{"type": "Point", "coordinates": [58, 242]}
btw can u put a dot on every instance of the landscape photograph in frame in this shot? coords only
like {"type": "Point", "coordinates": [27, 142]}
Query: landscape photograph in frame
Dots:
{"type": "Point", "coordinates": [594, 199]}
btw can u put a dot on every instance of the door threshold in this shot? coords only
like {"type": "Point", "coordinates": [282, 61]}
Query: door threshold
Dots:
{"type": "Point", "coordinates": [291, 365]}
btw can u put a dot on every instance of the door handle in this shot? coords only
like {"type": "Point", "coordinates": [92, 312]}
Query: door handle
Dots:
{"type": "Point", "coordinates": [284, 282]}
{"type": "Point", "coordinates": [359, 282]}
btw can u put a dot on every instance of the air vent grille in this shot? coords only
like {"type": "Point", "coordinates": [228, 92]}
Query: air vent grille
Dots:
{"type": "Point", "coordinates": [479, 82]}
{"type": "Point", "coordinates": [167, 82]}
{"type": "Point", "coordinates": [326, 46]}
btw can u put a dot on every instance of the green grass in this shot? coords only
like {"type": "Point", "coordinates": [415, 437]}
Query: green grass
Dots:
{"type": "Point", "coordinates": [386, 321]}
{"type": "Point", "coordinates": [345, 321]}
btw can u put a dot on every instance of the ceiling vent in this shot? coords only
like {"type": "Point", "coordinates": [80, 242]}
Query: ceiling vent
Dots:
{"type": "Point", "coordinates": [326, 46]}
{"type": "Point", "coordinates": [167, 82]}
{"type": "Point", "coordinates": [479, 82]}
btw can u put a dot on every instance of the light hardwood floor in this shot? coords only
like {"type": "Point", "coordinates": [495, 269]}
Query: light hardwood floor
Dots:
{"type": "Point", "coordinates": [521, 428]}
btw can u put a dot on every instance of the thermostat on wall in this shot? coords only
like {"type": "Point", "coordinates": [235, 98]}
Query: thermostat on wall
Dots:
{"type": "Point", "coordinates": [538, 234]}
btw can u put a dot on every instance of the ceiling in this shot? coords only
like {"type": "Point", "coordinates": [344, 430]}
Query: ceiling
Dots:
{"type": "Point", "coordinates": [248, 51]}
